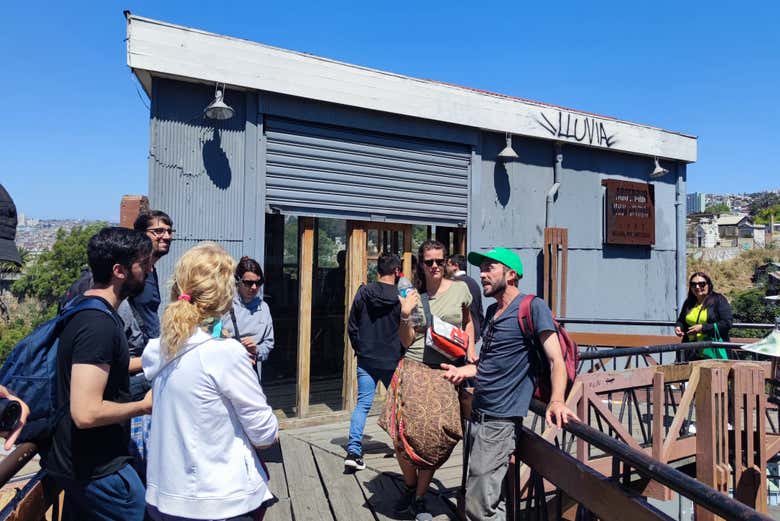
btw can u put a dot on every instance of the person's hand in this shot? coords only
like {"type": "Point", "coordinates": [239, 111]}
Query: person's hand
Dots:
{"type": "Point", "coordinates": [452, 374]}
{"type": "Point", "coordinates": [696, 328]}
{"type": "Point", "coordinates": [11, 436]}
{"type": "Point", "coordinates": [251, 348]}
{"type": "Point", "coordinates": [558, 414]}
{"type": "Point", "coordinates": [147, 402]}
{"type": "Point", "coordinates": [409, 303]}
{"type": "Point", "coordinates": [678, 331]}
{"type": "Point", "coordinates": [471, 355]}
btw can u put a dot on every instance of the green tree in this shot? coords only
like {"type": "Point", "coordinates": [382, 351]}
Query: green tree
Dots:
{"type": "Point", "coordinates": [763, 200]}
{"type": "Point", "coordinates": [762, 216]}
{"type": "Point", "coordinates": [54, 271]}
{"type": "Point", "coordinates": [12, 267]}
{"type": "Point", "coordinates": [717, 208]}
{"type": "Point", "coordinates": [750, 306]}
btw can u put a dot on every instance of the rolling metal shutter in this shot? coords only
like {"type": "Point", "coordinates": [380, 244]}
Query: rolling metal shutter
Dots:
{"type": "Point", "coordinates": [324, 170]}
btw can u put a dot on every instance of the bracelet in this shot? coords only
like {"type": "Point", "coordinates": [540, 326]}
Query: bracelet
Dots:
{"type": "Point", "coordinates": [407, 319]}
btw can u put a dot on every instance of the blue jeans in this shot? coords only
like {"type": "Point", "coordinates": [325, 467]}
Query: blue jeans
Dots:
{"type": "Point", "coordinates": [116, 497]}
{"type": "Point", "coordinates": [367, 379]}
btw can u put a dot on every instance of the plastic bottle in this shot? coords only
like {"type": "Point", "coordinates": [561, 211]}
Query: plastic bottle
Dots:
{"type": "Point", "coordinates": [404, 286]}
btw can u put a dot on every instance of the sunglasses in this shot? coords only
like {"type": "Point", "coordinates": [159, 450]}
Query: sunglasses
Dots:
{"type": "Point", "coordinates": [159, 232]}
{"type": "Point", "coordinates": [250, 283]}
{"type": "Point", "coordinates": [431, 262]}
{"type": "Point", "coordinates": [698, 284]}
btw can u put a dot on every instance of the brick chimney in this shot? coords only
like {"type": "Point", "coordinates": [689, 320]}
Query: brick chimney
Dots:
{"type": "Point", "coordinates": [130, 208]}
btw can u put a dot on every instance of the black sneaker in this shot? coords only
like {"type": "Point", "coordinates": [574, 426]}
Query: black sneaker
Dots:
{"type": "Point", "coordinates": [419, 511]}
{"type": "Point", "coordinates": [354, 462]}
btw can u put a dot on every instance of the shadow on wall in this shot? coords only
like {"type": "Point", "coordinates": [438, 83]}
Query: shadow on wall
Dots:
{"type": "Point", "coordinates": [501, 181]}
{"type": "Point", "coordinates": [617, 251]}
{"type": "Point", "coordinates": [215, 160]}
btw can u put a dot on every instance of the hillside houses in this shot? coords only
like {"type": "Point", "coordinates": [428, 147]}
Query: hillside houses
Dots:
{"type": "Point", "coordinates": [725, 231]}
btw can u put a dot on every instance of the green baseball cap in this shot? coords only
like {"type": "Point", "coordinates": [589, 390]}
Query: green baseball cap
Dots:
{"type": "Point", "coordinates": [503, 255]}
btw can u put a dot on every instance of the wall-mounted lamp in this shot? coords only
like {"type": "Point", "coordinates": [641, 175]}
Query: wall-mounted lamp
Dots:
{"type": "Point", "coordinates": [658, 171]}
{"type": "Point", "coordinates": [218, 109]}
{"type": "Point", "coordinates": [508, 154]}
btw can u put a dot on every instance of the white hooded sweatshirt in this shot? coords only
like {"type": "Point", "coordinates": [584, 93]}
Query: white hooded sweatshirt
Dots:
{"type": "Point", "coordinates": [208, 416]}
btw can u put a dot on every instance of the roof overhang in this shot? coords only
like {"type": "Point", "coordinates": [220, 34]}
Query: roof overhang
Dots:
{"type": "Point", "coordinates": [157, 48]}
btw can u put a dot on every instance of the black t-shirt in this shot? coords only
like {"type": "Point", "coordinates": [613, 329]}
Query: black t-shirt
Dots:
{"type": "Point", "coordinates": [91, 337]}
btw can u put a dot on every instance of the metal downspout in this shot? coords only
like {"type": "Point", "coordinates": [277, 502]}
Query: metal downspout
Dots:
{"type": "Point", "coordinates": [553, 191]}
{"type": "Point", "coordinates": [680, 221]}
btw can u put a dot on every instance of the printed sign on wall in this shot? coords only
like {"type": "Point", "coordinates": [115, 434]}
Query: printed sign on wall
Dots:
{"type": "Point", "coordinates": [629, 213]}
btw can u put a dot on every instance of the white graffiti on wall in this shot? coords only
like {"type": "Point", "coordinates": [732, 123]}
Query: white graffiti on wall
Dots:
{"type": "Point", "coordinates": [577, 128]}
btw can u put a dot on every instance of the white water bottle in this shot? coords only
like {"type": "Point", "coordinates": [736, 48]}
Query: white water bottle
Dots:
{"type": "Point", "coordinates": [404, 286]}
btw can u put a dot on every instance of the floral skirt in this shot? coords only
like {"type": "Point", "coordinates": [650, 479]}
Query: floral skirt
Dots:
{"type": "Point", "coordinates": [422, 414]}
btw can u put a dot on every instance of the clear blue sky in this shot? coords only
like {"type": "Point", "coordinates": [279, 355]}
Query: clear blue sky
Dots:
{"type": "Point", "coordinates": [75, 133]}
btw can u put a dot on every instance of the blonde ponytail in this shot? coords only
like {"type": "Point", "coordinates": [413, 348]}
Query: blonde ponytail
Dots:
{"type": "Point", "coordinates": [202, 289]}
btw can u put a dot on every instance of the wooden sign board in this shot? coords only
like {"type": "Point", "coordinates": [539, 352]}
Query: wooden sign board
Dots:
{"type": "Point", "coordinates": [629, 213]}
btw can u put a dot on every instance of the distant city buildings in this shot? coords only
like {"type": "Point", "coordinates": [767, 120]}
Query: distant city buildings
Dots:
{"type": "Point", "coordinates": [38, 235]}
{"type": "Point", "coordinates": [696, 202]}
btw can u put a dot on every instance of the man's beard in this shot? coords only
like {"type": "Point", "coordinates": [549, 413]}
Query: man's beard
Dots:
{"type": "Point", "coordinates": [495, 288]}
{"type": "Point", "coordinates": [132, 287]}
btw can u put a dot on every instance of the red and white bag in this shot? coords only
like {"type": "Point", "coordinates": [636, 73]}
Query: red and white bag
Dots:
{"type": "Point", "coordinates": [450, 341]}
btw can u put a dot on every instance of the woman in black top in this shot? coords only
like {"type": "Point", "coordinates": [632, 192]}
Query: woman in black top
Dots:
{"type": "Point", "coordinates": [705, 315]}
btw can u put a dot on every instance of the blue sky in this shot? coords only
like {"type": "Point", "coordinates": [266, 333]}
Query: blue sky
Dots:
{"type": "Point", "coordinates": [75, 136]}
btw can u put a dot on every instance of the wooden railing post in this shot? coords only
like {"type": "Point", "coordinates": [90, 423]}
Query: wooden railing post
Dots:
{"type": "Point", "coordinates": [712, 459]}
{"type": "Point", "coordinates": [749, 405]}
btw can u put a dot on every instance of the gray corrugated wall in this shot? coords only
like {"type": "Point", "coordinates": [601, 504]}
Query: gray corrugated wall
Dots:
{"type": "Point", "coordinates": [357, 174]}
{"type": "Point", "coordinates": [629, 282]}
{"type": "Point", "coordinates": [196, 168]}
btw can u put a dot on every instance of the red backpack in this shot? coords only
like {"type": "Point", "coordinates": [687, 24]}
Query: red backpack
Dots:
{"type": "Point", "coordinates": [569, 350]}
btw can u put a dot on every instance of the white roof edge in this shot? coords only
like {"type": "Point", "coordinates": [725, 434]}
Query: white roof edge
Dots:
{"type": "Point", "coordinates": [166, 49]}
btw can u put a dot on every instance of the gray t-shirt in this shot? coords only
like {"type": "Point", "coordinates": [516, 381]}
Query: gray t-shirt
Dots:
{"type": "Point", "coordinates": [505, 381]}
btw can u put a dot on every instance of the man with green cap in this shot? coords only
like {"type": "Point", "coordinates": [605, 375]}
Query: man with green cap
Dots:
{"type": "Point", "coordinates": [504, 381]}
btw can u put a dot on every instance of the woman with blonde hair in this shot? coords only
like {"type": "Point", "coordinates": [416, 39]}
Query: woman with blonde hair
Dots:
{"type": "Point", "coordinates": [210, 412]}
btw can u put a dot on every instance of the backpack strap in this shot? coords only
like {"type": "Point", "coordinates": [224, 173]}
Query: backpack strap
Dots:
{"type": "Point", "coordinates": [236, 334]}
{"type": "Point", "coordinates": [525, 318]}
{"type": "Point", "coordinates": [426, 309]}
{"type": "Point", "coordinates": [86, 304]}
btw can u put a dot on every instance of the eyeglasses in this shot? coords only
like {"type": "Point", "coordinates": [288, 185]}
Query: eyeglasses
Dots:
{"type": "Point", "coordinates": [159, 232]}
{"type": "Point", "coordinates": [250, 283]}
{"type": "Point", "coordinates": [699, 284]}
{"type": "Point", "coordinates": [430, 262]}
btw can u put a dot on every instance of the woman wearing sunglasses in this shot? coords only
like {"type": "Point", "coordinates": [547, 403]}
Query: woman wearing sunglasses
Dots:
{"type": "Point", "coordinates": [423, 417]}
{"type": "Point", "coordinates": [249, 321]}
{"type": "Point", "coordinates": [706, 315]}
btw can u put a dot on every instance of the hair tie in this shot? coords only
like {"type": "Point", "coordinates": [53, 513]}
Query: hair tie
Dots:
{"type": "Point", "coordinates": [186, 297]}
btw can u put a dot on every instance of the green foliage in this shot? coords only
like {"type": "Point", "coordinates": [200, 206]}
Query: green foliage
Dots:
{"type": "Point", "coordinates": [11, 267]}
{"type": "Point", "coordinates": [750, 306]}
{"type": "Point", "coordinates": [718, 208]}
{"type": "Point", "coordinates": [55, 270]}
{"type": "Point", "coordinates": [25, 317]}
{"type": "Point", "coordinates": [762, 216]}
{"type": "Point", "coordinates": [763, 200]}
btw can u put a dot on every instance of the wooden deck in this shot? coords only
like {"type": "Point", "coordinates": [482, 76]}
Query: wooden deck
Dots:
{"type": "Point", "coordinates": [308, 477]}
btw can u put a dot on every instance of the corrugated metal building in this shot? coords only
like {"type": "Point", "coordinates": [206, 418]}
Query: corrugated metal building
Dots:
{"type": "Point", "coordinates": [318, 144]}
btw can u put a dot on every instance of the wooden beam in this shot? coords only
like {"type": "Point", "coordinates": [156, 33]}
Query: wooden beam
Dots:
{"type": "Point", "coordinates": [305, 281]}
{"type": "Point", "coordinates": [407, 252]}
{"type": "Point", "coordinates": [356, 274]}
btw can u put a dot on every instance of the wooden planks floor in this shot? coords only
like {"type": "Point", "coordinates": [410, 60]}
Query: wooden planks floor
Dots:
{"type": "Point", "coordinates": [308, 478]}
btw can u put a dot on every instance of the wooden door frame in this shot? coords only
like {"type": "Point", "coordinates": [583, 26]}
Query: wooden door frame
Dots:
{"type": "Point", "coordinates": [305, 282]}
